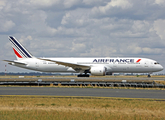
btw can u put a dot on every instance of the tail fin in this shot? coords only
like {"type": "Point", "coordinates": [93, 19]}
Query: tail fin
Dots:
{"type": "Point", "coordinates": [19, 50]}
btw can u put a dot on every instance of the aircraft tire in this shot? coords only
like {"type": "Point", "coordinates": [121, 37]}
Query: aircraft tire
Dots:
{"type": "Point", "coordinates": [82, 75]}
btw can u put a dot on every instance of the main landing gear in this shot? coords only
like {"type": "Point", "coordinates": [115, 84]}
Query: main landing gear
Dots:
{"type": "Point", "coordinates": [149, 76]}
{"type": "Point", "coordinates": [83, 75]}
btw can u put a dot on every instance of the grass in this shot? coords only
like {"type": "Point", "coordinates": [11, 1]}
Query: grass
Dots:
{"type": "Point", "coordinates": [79, 108]}
{"type": "Point", "coordinates": [160, 82]}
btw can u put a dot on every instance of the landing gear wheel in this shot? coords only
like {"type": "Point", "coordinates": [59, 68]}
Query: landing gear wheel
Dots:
{"type": "Point", "coordinates": [83, 75]}
{"type": "Point", "coordinates": [149, 76]}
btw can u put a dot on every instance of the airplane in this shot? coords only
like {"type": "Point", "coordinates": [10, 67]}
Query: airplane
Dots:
{"type": "Point", "coordinates": [84, 66]}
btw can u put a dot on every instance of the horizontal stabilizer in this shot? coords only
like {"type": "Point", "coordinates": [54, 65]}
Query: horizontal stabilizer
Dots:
{"type": "Point", "coordinates": [14, 62]}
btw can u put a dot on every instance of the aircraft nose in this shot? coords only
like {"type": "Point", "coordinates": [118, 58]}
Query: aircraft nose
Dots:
{"type": "Point", "coordinates": [161, 67]}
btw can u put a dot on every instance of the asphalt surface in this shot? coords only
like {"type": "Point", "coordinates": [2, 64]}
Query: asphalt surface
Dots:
{"type": "Point", "coordinates": [95, 92]}
{"type": "Point", "coordinates": [84, 79]}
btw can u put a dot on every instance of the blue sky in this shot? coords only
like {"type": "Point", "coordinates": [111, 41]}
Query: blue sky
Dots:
{"type": "Point", "coordinates": [83, 28]}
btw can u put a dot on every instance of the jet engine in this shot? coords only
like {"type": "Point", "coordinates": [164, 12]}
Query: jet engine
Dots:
{"type": "Point", "coordinates": [98, 70]}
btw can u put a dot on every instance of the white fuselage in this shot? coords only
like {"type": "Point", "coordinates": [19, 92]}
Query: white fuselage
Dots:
{"type": "Point", "coordinates": [113, 65]}
{"type": "Point", "coordinates": [95, 66]}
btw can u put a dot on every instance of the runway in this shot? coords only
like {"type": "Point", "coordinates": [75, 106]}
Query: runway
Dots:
{"type": "Point", "coordinates": [93, 92]}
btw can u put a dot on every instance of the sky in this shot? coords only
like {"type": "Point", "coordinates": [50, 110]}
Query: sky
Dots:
{"type": "Point", "coordinates": [83, 28]}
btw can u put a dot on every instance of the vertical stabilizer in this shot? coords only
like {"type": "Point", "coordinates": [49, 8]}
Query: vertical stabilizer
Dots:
{"type": "Point", "coordinates": [19, 50]}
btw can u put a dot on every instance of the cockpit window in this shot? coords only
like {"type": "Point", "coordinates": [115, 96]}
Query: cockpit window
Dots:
{"type": "Point", "coordinates": [156, 63]}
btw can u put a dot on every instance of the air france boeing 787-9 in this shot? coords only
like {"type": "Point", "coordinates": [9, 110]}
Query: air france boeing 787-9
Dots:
{"type": "Point", "coordinates": [94, 66]}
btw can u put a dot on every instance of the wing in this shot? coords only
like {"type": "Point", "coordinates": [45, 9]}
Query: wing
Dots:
{"type": "Point", "coordinates": [76, 67]}
{"type": "Point", "coordinates": [14, 62]}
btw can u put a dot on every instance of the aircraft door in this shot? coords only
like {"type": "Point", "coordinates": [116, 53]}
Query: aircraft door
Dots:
{"type": "Point", "coordinates": [146, 64]}
{"type": "Point", "coordinates": [37, 65]}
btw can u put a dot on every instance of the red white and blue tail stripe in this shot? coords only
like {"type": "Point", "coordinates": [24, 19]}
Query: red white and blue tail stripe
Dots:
{"type": "Point", "coordinates": [19, 50]}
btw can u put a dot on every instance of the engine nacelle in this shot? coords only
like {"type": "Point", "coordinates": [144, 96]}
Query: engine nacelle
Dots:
{"type": "Point", "coordinates": [98, 70]}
